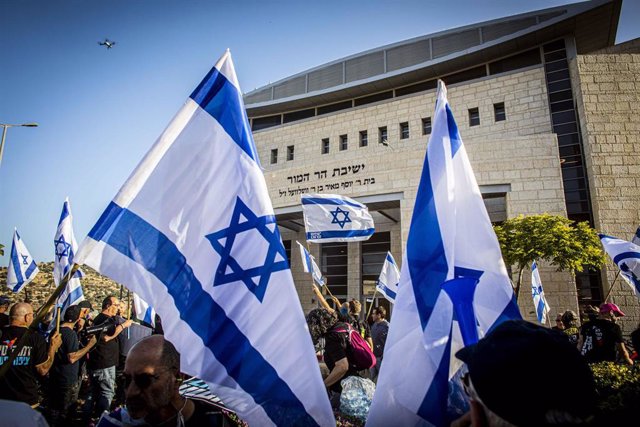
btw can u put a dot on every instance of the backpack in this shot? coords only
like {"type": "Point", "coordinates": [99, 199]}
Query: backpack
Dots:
{"type": "Point", "coordinates": [359, 353]}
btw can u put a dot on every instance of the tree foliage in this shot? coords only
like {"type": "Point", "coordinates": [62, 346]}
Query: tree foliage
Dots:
{"type": "Point", "coordinates": [553, 239]}
{"type": "Point", "coordinates": [1, 249]}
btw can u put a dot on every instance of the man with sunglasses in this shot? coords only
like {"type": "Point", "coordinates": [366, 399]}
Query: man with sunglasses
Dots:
{"type": "Point", "coordinates": [152, 381]}
{"type": "Point", "coordinates": [20, 381]}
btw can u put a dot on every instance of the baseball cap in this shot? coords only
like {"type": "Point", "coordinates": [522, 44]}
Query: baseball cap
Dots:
{"type": "Point", "coordinates": [4, 300]}
{"type": "Point", "coordinates": [85, 304]}
{"type": "Point", "coordinates": [72, 313]}
{"type": "Point", "coordinates": [609, 307]}
{"type": "Point", "coordinates": [522, 371]}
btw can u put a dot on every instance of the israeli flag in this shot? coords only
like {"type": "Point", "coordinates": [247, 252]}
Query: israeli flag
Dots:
{"type": "Point", "coordinates": [310, 266]}
{"type": "Point", "coordinates": [22, 268]}
{"type": "Point", "coordinates": [65, 247]}
{"type": "Point", "coordinates": [389, 279]}
{"type": "Point", "coordinates": [335, 218]}
{"type": "Point", "coordinates": [451, 247]}
{"type": "Point", "coordinates": [626, 255]}
{"type": "Point", "coordinates": [193, 233]}
{"type": "Point", "coordinates": [144, 312]}
{"type": "Point", "coordinates": [539, 300]}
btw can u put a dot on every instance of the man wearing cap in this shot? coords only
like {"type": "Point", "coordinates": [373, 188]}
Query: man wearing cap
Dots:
{"type": "Point", "coordinates": [600, 338]}
{"type": "Point", "coordinates": [63, 377]}
{"type": "Point", "coordinates": [517, 376]}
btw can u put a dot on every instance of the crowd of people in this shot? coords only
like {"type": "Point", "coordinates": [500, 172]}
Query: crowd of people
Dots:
{"type": "Point", "coordinates": [80, 374]}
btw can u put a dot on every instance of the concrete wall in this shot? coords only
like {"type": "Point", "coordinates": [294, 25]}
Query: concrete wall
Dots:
{"type": "Point", "coordinates": [607, 88]}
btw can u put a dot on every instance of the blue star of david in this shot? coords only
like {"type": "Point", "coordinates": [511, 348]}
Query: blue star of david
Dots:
{"type": "Point", "coordinates": [24, 259]}
{"type": "Point", "coordinates": [335, 219]}
{"type": "Point", "coordinates": [62, 248]}
{"type": "Point", "coordinates": [537, 291]}
{"type": "Point", "coordinates": [635, 279]}
{"type": "Point", "coordinates": [227, 261]}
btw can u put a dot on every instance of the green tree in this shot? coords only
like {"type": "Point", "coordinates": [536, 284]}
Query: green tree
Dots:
{"type": "Point", "coordinates": [1, 249]}
{"type": "Point", "coordinates": [555, 239]}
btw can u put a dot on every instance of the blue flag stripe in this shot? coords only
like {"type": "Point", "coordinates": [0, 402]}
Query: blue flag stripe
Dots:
{"type": "Point", "coordinates": [220, 98]}
{"type": "Point", "coordinates": [385, 290]}
{"type": "Point", "coordinates": [625, 255]}
{"type": "Point", "coordinates": [31, 268]}
{"type": "Point", "coordinates": [337, 234]}
{"type": "Point", "coordinates": [73, 296]}
{"type": "Point", "coordinates": [123, 230]}
{"type": "Point", "coordinates": [327, 201]}
{"type": "Point", "coordinates": [64, 213]}
{"type": "Point", "coordinates": [16, 266]}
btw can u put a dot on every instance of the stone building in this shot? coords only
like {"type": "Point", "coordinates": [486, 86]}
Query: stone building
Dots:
{"type": "Point", "coordinates": [547, 107]}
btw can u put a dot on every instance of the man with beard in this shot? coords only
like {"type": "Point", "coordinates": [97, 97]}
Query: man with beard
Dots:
{"type": "Point", "coordinates": [152, 381]}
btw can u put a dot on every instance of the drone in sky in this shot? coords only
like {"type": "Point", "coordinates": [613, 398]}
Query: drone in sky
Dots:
{"type": "Point", "coordinates": [107, 43]}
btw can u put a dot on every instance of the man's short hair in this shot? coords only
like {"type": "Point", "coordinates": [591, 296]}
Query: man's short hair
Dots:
{"type": "Point", "coordinates": [107, 302]}
{"type": "Point", "coordinates": [72, 313]}
{"type": "Point", "coordinates": [85, 304]}
{"type": "Point", "coordinates": [4, 301]}
{"type": "Point", "coordinates": [382, 312]}
{"type": "Point", "coordinates": [170, 358]}
{"type": "Point", "coordinates": [508, 367]}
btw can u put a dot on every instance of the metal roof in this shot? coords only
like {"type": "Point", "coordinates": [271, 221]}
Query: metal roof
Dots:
{"type": "Point", "coordinates": [593, 24]}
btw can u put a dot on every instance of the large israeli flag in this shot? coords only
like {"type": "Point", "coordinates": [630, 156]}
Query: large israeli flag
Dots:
{"type": "Point", "coordinates": [389, 278]}
{"type": "Point", "coordinates": [193, 232]}
{"type": "Point", "coordinates": [144, 312]}
{"type": "Point", "coordinates": [309, 265]}
{"type": "Point", "coordinates": [22, 268]}
{"type": "Point", "coordinates": [539, 300]}
{"type": "Point", "coordinates": [450, 240]}
{"type": "Point", "coordinates": [65, 247]}
{"type": "Point", "coordinates": [335, 218]}
{"type": "Point", "coordinates": [626, 255]}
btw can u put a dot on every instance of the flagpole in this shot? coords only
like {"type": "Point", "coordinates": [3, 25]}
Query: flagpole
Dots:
{"type": "Point", "coordinates": [42, 311]}
{"type": "Point", "coordinates": [326, 281]}
{"type": "Point", "coordinates": [372, 302]}
{"type": "Point", "coordinates": [612, 285]}
{"type": "Point", "coordinates": [59, 309]}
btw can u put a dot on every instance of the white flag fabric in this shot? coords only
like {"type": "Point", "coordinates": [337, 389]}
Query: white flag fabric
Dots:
{"type": "Point", "coordinates": [539, 300]}
{"type": "Point", "coordinates": [65, 246]}
{"type": "Point", "coordinates": [450, 239]}
{"type": "Point", "coordinates": [193, 232]}
{"type": "Point", "coordinates": [389, 278]}
{"type": "Point", "coordinates": [310, 266]}
{"type": "Point", "coordinates": [144, 312]}
{"type": "Point", "coordinates": [22, 268]}
{"type": "Point", "coordinates": [626, 255]}
{"type": "Point", "coordinates": [335, 218]}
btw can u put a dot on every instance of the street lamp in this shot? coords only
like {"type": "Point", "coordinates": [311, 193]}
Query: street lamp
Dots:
{"type": "Point", "coordinates": [4, 133]}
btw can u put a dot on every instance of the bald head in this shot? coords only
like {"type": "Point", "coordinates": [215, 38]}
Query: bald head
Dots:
{"type": "Point", "coordinates": [156, 349]}
{"type": "Point", "coordinates": [21, 314]}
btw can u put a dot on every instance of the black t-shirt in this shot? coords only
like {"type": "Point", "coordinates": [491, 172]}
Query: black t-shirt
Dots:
{"type": "Point", "coordinates": [4, 320]}
{"type": "Point", "coordinates": [599, 340]}
{"type": "Point", "coordinates": [335, 348]}
{"type": "Point", "coordinates": [104, 354]}
{"type": "Point", "coordinates": [361, 326]}
{"type": "Point", "coordinates": [20, 382]}
{"type": "Point", "coordinates": [64, 373]}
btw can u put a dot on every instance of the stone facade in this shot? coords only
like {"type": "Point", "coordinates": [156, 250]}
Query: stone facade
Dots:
{"type": "Point", "coordinates": [519, 153]}
{"type": "Point", "coordinates": [607, 88]}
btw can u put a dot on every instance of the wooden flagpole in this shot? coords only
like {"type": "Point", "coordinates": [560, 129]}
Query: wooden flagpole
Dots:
{"type": "Point", "coordinates": [42, 311]}
{"type": "Point", "coordinates": [59, 309]}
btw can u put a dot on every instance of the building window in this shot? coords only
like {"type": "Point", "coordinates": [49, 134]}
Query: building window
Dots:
{"type": "Point", "coordinates": [344, 142]}
{"type": "Point", "coordinates": [474, 117]}
{"type": "Point", "coordinates": [404, 130]}
{"type": "Point", "coordinates": [325, 146]}
{"type": "Point", "coordinates": [290, 152]}
{"type": "Point", "coordinates": [274, 156]}
{"type": "Point", "coordinates": [364, 138]}
{"type": "Point", "coordinates": [499, 112]}
{"type": "Point", "coordinates": [426, 126]}
{"type": "Point", "coordinates": [382, 135]}
{"type": "Point", "coordinates": [287, 250]}
{"type": "Point", "coordinates": [334, 265]}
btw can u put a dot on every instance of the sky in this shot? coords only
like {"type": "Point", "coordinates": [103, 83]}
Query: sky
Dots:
{"type": "Point", "coordinates": [99, 110]}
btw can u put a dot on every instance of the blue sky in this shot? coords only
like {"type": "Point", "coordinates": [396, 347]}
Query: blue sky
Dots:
{"type": "Point", "coordinates": [100, 110]}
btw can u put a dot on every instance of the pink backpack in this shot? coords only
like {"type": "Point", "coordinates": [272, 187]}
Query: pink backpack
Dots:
{"type": "Point", "coordinates": [359, 353]}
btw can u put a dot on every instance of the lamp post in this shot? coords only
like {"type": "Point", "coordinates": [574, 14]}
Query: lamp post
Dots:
{"type": "Point", "coordinates": [4, 133]}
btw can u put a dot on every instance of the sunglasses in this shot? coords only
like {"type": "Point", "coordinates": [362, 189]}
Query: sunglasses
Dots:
{"type": "Point", "coordinates": [142, 381]}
